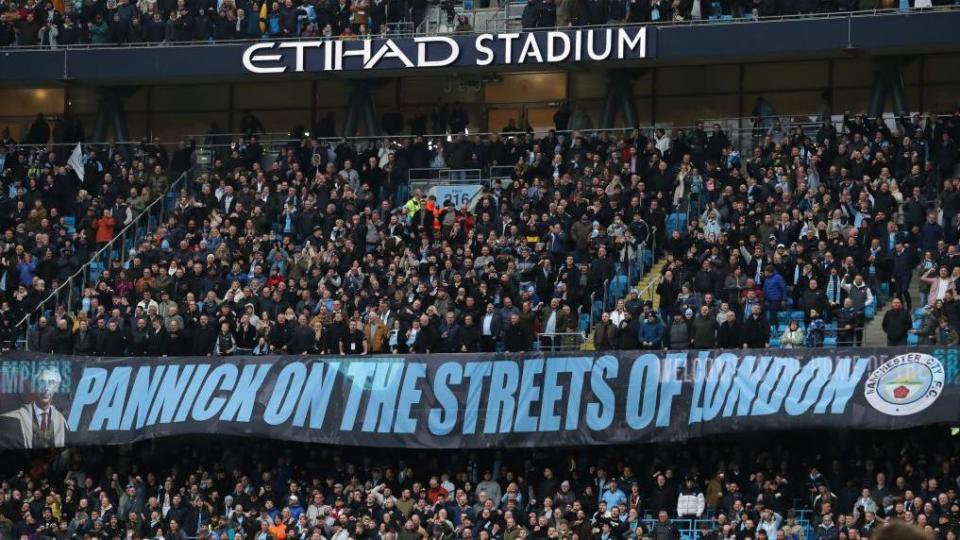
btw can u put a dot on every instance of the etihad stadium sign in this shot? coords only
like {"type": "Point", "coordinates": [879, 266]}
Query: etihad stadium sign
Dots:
{"type": "Point", "coordinates": [533, 48]}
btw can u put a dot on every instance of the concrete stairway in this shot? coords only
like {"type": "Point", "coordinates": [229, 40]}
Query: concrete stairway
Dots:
{"type": "Point", "coordinates": [647, 287]}
{"type": "Point", "coordinates": [648, 284]}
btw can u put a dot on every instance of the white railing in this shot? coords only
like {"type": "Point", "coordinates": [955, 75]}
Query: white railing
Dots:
{"type": "Point", "coordinates": [77, 282]}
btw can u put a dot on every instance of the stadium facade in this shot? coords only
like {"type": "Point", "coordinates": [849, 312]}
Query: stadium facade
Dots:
{"type": "Point", "coordinates": [673, 74]}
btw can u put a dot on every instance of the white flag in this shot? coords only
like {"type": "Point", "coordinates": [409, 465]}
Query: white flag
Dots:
{"type": "Point", "coordinates": [76, 161]}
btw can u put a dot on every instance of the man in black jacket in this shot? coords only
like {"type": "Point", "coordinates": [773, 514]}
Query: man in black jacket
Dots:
{"type": "Point", "coordinates": [848, 320]}
{"type": "Point", "coordinates": [515, 338]}
{"type": "Point", "coordinates": [246, 335]}
{"type": "Point", "coordinates": [61, 342]}
{"type": "Point", "coordinates": [756, 330]}
{"type": "Point", "coordinates": [157, 340]}
{"type": "Point", "coordinates": [897, 323]}
{"type": "Point", "coordinates": [530, 17]}
{"type": "Point", "coordinates": [279, 334]}
{"type": "Point", "coordinates": [139, 338]}
{"type": "Point", "coordinates": [902, 272]}
{"type": "Point", "coordinates": [470, 335]}
{"type": "Point", "coordinates": [813, 298]}
{"type": "Point", "coordinates": [451, 338]}
{"type": "Point", "coordinates": [729, 335]}
{"type": "Point", "coordinates": [598, 11]}
{"type": "Point", "coordinates": [113, 341]}
{"type": "Point", "coordinates": [83, 341]}
{"type": "Point", "coordinates": [204, 337]}
{"type": "Point", "coordinates": [301, 337]}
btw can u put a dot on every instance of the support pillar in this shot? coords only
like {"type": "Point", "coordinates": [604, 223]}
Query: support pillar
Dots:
{"type": "Point", "coordinates": [111, 115]}
{"type": "Point", "coordinates": [888, 83]}
{"type": "Point", "coordinates": [361, 110]}
{"type": "Point", "coordinates": [619, 100]}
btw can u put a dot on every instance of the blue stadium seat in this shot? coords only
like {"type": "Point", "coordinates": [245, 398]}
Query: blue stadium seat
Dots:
{"type": "Point", "coordinates": [913, 339]}
{"type": "Point", "coordinates": [676, 222]}
{"type": "Point", "coordinates": [618, 288]}
{"type": "Point", "coordinates": [597, 309]}
{"type": "Point", "coordinates": [830, 341]}
{"type": "Point", "coordinates": [918, 313]}
{"type": "Point", "coordinates": [870, 312]}
{"type": "Point", "coordinates": [775, 343]}
{"type": "Point", "coordinates": [584, 322]}
{"type": "Point", "coordinates": [885, 289]}
{"type": "Point", "coordinates": [95, 268]}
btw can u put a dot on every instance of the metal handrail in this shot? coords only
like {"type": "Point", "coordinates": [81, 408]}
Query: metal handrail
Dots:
{"type": "Point", "coordinates": [786, 120]}
{"type": "Point", "coordinates": [648, 291]}
{"type": "Point", "coordinates": [659, 24]}
{"type": "Point", "coordinates": [593, 299]}
{"type": "Point", "coordinates": [69, 283]}
{"type": "Point", "coordinates": [561, 341]}
{"type": "Point", "coordinates": [606, 294]}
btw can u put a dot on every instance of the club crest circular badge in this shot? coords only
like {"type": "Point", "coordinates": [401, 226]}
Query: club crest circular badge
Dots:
{"type": "Point", "coordinates": [905, 384]}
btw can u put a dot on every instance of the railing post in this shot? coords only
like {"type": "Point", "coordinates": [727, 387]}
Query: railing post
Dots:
{"type": "Point", "coordinates": [653, 244]}
{"type": "Point", "coordinates": [123, 244]}
{"type": "Point", "coordinates": [643, 247]}
{"type": "Point", "coordinates": [593, 298]}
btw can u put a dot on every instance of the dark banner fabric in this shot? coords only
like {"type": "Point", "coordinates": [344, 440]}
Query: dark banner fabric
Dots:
{"type": "Point", "coordinates": [473, 401]}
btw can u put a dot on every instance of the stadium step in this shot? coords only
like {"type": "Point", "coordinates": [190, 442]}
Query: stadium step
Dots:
{"type": "Point", "coordinates": [652, 275]}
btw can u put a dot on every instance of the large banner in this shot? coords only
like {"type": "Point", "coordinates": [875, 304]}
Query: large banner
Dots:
{"type": "Point", "coordinates": [473, 401]}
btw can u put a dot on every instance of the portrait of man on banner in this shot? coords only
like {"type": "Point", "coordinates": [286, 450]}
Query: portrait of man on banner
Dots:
{"type": "Point", "coordinates": [37, 424]}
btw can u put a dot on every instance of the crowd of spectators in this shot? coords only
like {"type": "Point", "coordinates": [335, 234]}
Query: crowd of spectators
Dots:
{"type": "Point", "coordinates": [51, 223]}
{"type": "Point", "coordinates": [57, 23]}
{"type": "Point", "coordinates": [841, 487]}
{"type": "Point", "coordinates": [552, 13]}
{"type": "Point", "coordinates": [325, 250]}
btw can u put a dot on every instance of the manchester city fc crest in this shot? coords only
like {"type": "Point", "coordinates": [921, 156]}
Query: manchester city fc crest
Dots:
{"type": "Point", "coordinates": [905, 384]}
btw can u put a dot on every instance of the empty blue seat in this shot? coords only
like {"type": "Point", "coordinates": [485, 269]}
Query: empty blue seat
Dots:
{"type": "Point", "coordinates": [676, 222]}
{"type": "Point", "coordinates": [584, 322]}
{"type": "Point", "coordinates": [775, 343]}
{"type": "Point", "coordinates": [870, 312]}
{"type": "Point", "coordinates": [597, 309]}
{"type": "Point", "coordinates": [913, 339]}
{"type": "Point", "coordinates": [618, 288]}
{"type": "Point", "coordinates": [830, 341]}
